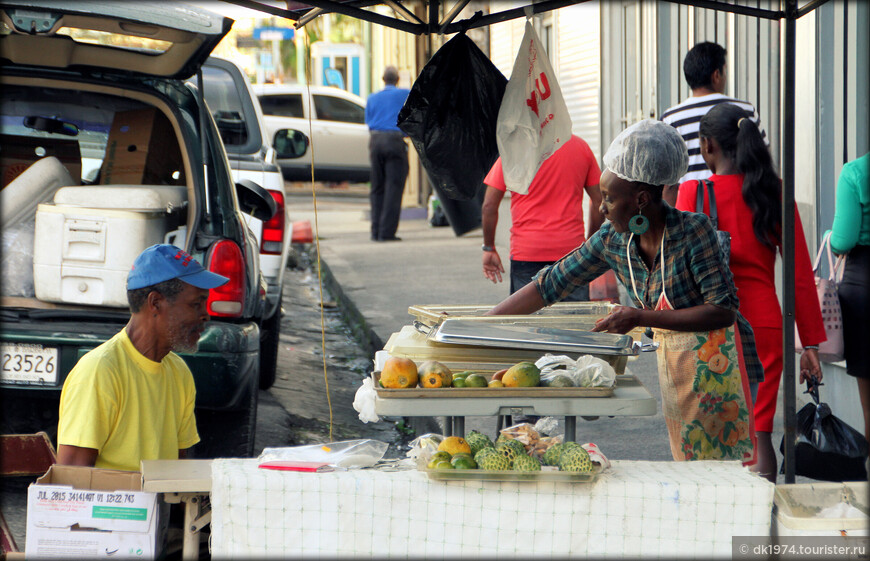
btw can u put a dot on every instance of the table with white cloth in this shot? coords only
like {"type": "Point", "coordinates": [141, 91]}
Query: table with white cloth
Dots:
{"type": "Point", "coordinates": [635, 509]}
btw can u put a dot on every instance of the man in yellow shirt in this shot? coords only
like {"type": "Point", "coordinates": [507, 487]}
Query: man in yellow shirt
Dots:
{"type": "Point", "coordinates": [132, 398]}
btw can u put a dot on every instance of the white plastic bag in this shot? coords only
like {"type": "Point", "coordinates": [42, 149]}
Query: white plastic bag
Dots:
{"type": "Point", "coordinates": [587, 371]}
{"type": "Point", "coordinates": [533, 120]}
{"type": "Point", "coordinates": [364, 401]}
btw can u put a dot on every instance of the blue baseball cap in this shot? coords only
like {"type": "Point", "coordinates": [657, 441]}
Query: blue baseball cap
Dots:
{"type": "Point", "coordinates": [163, 262]}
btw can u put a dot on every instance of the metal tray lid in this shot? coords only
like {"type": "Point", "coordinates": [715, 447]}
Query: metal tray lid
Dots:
{"type": "Point", "coordinates": [461, 332]}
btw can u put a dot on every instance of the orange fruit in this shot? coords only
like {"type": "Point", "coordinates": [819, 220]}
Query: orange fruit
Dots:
{"type": "Point", "coordinates": [729, 411]}
{"type": "Point", "coordinates": [431, 380]}
{"type": "Point", "coordinates": [729, 436]}
{"type": "Point", "coordinates": [708, 350]}
{"type": "Point", "coordinates": [435, 367]}
{"type": "Point", "coordinates": [454, 445]}
{"type": "Point", "coordinates": [717, 337]}
{"type": "Point", "coordinates": [713, 425]}
{"type": "Point", "coordinates": [399, 373]}
{"type": "Point", "coordinates": [718, 363]}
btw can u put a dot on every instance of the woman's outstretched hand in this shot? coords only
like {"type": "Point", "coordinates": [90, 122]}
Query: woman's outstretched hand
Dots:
{"type": "Point", "coordinates": [621, 320]}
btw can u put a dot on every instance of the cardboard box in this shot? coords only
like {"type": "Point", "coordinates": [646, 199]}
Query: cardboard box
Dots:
{"type": "Point", "coordinates": [17, 153]}
{"type": "Point", "coordinates": [142, 149]}
{"type": "Point", "coordinates": [88, 513]}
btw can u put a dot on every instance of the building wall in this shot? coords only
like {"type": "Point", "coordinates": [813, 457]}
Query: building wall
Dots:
{"type": "Point", "coordinates": [831, 97]}
{"type": "Point", "coordinates": [574, 54]}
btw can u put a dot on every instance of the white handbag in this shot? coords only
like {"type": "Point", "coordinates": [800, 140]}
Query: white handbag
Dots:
{"type": "Point", "coordinates": [830, 350]}
{"type": "Point", "coordinates": [533, 120]}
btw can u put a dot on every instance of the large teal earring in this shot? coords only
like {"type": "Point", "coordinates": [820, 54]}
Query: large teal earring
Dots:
{"type": "Point", "coordinates": [638, 224]}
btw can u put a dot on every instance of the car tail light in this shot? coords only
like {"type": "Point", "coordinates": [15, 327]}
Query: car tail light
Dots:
{"type": "Point", "coordinates": [228, 300]}
{"type": "Point", "coordinates": [273, 230]}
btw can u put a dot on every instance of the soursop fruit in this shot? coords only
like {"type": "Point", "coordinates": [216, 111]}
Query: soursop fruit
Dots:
{"type": "Point", "coordinates": [478, 441]}
{"type": "Point", "coordinates": [509, 452]}
{"type": "Point", "coordinates": [526, 463]}
{"type": "Point", "coordinates": [575, 459]}
{"type": "Point", "coordinates": [492, 461]}
{"type": "Point", "coordinates": [551, 456]}
{"type": "Point", "coordinates": [515, 444]}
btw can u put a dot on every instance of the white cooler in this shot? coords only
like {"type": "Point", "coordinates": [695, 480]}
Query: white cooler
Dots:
{"type": "Point", "coordinates": [86, 241]}
{"type": "Point", "coordinates": [821, 509]}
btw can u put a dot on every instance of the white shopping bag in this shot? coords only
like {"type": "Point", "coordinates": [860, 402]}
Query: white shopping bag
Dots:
{"type": "Point", "coordinates": [533, 120]}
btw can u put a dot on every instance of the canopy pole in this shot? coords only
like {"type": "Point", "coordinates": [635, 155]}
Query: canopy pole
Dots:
{"type": "Point", "coordinates": [788, 206]}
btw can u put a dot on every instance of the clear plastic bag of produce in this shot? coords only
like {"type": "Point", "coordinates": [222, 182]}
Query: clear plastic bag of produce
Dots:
{"type": "Point", "coordinates": [423, 447]}
{"type": "Point", "coordinates": [346, 453]}
{"type": "Point", "coordinates": [587, 371]}
{"type": "Point", "coordinates": [536, 443]}
{"type": "Point", "coordinates": [450, 116]}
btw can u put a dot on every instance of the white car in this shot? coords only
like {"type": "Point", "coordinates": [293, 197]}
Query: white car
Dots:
{"type": "Point", "coordinates": [337, 131]}
{"type": "Point", "coordinates": [251, 156]}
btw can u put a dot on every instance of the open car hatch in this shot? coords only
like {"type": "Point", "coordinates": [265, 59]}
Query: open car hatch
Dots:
{"type": "Point", "coordinates": [167, 39]}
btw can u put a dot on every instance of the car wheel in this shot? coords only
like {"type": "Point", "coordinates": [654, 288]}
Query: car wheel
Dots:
{"type": "Point", "coordinates": [270, 331]}
{"type": "Point", "coordinates": [228, 434]}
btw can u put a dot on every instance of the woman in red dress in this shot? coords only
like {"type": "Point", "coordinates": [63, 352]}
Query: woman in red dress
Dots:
{"type": "Point", "coordinates": [748, 203]}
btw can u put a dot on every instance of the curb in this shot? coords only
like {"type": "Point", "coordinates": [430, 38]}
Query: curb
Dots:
{"type": "Point", "coordinates": [361, 330]}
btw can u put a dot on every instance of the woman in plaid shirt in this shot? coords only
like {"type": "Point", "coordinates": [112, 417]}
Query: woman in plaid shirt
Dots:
{"type": "Point", "coordinates": [690, 290]}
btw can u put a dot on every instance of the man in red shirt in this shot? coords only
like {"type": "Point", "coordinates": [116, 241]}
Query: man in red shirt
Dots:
{"type": "Point", "coordinates": [548, 220]}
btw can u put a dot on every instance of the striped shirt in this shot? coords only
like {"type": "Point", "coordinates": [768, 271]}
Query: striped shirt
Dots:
{"type": "Point", "coordinates": [695, 272]}
{"type": "Point", "coordinates": [686, 118]}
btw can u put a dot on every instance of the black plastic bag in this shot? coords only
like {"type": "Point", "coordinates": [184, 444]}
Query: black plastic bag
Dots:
{"type": "Point", "coordinates": [826, 448]}
{"type": "Point", "coordinates": [450, 116]}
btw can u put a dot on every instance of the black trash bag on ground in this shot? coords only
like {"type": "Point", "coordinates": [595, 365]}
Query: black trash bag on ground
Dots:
{"type": "Point", "coordinates": [826, 448]}
{"type": "Point", "coordinates": [450, 116]}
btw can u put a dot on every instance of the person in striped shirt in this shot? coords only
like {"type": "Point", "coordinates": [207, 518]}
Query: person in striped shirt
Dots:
{"type": "Point", "coordinates": [704, 68]}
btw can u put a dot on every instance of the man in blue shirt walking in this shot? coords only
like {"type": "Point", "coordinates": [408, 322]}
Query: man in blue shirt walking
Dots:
{"type": "Point", "coordinates": [389, 157]}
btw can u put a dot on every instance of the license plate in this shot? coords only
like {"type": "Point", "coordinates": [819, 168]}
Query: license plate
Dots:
{"type": "Point", "coordinates": [28, 364]}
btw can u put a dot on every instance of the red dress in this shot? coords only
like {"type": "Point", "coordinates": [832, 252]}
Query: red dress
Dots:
{"type": "Point", "coordinates": [752, 264]}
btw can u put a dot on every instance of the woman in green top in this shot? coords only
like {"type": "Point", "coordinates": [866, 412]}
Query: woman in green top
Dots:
{"type": "Point", "coordinates": [850, 236]}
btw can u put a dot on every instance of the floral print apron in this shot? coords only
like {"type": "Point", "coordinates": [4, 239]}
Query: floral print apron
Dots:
{"type": "Point", "coordinates": [704, 389]}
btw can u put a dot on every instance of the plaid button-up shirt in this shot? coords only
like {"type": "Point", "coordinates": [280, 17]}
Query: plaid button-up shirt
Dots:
{"type": "Point", "coordinates": [694, 272]}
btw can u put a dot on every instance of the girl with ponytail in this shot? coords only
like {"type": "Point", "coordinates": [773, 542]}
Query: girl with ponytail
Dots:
{"type": "Point", "coordinates": [749, 206]}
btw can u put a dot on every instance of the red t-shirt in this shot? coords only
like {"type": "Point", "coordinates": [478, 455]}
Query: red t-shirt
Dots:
{"type": "Point", "coordinates": [752, 263]}
{"type": "Point", "coordinates": [548, 220]}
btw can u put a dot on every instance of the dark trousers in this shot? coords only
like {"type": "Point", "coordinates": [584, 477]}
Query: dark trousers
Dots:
{"type": "Point", "coordinates": [522, 273]}
{"type": "Point", "coordinates": [389, 157]}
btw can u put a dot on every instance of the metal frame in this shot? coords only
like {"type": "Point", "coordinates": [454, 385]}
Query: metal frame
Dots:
{"type": "Point", "coordinates": [789, 13]}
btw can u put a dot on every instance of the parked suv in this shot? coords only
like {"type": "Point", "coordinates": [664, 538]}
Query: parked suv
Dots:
{"type": "Point", "coordinates": [239, 119]}
{"type": "Point", "coordinates": [100, 127]}
{"type": "Point", "coordinates": [337, 130]}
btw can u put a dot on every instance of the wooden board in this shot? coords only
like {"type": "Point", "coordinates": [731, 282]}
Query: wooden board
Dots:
{"type": "Point", "coordinates": [538, 392]}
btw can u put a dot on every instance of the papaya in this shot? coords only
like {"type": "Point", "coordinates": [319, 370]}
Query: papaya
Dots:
{"type": "Point", "coordinates": [433, 368]}
{"type": "Point", "coordinates": [399, 373]}
{"type": "Point", "coordinates": [522, 375]}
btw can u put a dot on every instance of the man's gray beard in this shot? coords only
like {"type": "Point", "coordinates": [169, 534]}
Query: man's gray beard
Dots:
{"type": "Point", "coordinates": [178, 345]}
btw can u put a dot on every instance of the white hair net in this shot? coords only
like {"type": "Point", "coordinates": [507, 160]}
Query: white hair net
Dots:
{"type": "Point", "coordinates": [650, 152]}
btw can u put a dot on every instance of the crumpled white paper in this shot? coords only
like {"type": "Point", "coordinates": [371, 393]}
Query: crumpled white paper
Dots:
{"type": "Point", "coordinates": [364, 401]}
{"type": "Point", "coordinates": [587, 371]}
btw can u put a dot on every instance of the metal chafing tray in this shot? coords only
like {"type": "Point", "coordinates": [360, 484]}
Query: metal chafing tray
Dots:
{"type": "Point", "coordinates": [463, 332]}
{"type": "Point", "coordinates": [578, 316]}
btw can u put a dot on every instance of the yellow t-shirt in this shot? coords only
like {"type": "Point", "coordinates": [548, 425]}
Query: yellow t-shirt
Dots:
{"type": "Point", "coordinates": [127, 406]}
